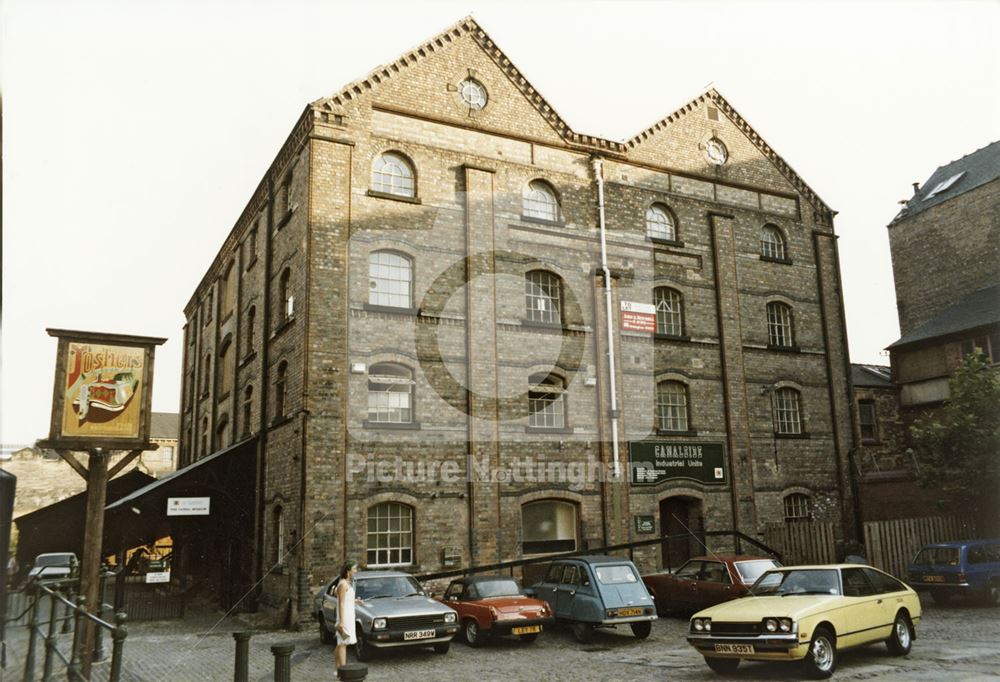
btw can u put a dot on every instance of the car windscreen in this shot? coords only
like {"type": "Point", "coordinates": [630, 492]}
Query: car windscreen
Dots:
{"type": "Point", "coordinates": [937, 556]}
{"type": "Point", "coordinates": [54, 560]}
{"type": "Point", "coordinates": [497, 588]}
{"type": "Point", "coordinates": [615, 575]}
{"type": "Point", "coordinates": [751, 570]}
{"type": "Point", "coordinates": [379, 588]}
{"type": "Point", "coordinates": [798, 582]}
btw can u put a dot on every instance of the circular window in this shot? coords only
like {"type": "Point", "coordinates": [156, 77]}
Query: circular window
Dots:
{"type": "Point", "coordinates": [472, 93]}
{"type": "Point", "coordinates": [716, 151]}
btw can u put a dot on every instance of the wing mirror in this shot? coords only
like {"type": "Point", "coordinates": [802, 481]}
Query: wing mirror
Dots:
{"type": "Point", "coordinates": [529, 592]}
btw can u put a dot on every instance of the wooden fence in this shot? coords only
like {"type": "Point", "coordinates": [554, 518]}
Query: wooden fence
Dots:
{"type": "Point", "coordinates": [891, 545]}
{"type": "Point", "coordinates": [802, 542]}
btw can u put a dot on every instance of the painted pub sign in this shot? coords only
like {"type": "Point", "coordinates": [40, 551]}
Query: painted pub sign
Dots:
{"type": "Point", "coordinates": [103, 387]}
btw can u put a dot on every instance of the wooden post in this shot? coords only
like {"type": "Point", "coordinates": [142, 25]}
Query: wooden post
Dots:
{"type": "Point", "coordinates": [93, 539]}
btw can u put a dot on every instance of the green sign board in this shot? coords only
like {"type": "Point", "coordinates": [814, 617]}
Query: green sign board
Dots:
{"type": "Point", "coordinates": [645, 523]}
{"type": "Point", "coordinates": [652, 462]}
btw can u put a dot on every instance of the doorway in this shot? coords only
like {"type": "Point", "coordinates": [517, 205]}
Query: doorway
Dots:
{"type": "Point", "coordinates": [683, 526]}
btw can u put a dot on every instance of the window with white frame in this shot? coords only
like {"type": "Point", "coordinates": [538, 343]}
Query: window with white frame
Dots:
{"type": "Point", "coordinates": [390, 394]}
{"type": "Point", "coordinates": [389, 279]}
{"type": "Point", "coordinates": [390, 534]}
{"type": "Point", "coordinates": [287, 310]}
{"type": "Point", "coordinates": [779, 324]}
{"type": "Point", "coordinates": [798, 507]}
{"type": "Point", "coordinates": [547, 402]}
{"type": "Point", "coordinates": [669, 311]}
{"type": "Point", "coordinates": [787, 411]}
{"type": "Point", "coordinates": [660, 223]}
{"type": "Point", "coordinates": [548, 526]}
{"type": "Point", "coordinates": [540, 201]}
{"type": "Point", "coordinates": [772, 243]}
{"type": "Point", "coordinates": [278, 541]}
{"type": "Point", "coordinates": [393, 174]}
{"type": "Point", "coordinates": [543, 296]}
{"type": "Point", "coordinates": [671, 406]}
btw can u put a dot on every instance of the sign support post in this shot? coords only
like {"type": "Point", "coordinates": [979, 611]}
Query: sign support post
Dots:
{"type": "Point", "coordinates": [100, 403]}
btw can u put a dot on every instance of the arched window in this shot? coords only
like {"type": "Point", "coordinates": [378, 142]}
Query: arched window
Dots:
{"type": "Point", "coordinates": [547, 402]}
{"type": "Point", "coordinates": [228, 291]}
{"type": "Point", "coordinates": [798, 507]}
{"type": "Point", "coordinates": [772, 243]}
{"type": "Point", "coordinates": [543, 296]}
{"type": "Point", "coordinates": [390, 534]}
{"type": "Point", "coordinates": [390, 394]}
{"type": "Point", "coordinates": [247, 410]}
{"type": "Point", "coordinates": [660, 223]}
{"type": "Point", "coordinates": [204, 436]}
{"type": "Point", "coordinates": [669, 311]}
{"type": "Point", "coordinates": [222, 432]}
{"type": "Point", "coordinates": [787, 411]}
{"type": "Point", "coordinates": [280, 382]}
{"type": "Point", "coordinates": [548, 526]}
{"type": "Point", "coordinates": [206, 375]}
{"type": "Point", "coordinates": [251, 328]}
{"type": "Point", "coordinates": [540, 201]}
{"type": "Point", "coordinates": [393, 174]}
{"type": "Point", "coordinates": [285, 296]}
{"type": "Point", "coordinates": [226, 366]}
{"type": "Point", "coordinates": [671, 406]}
{"type": "Point", "coordinates": [779, 324]}
{"type": "Point", "coordinates": [389, 279]}
{"type": "Point", "coordinates": [278, 541]}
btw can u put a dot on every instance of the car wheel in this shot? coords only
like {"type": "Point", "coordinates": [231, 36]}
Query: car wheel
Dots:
{"type": "Point", "coordinates": [583, 632]}
{"type": "Point", "coordinates": [641, 629]}
{"type": "Point", "coordinates": [442, 647]}
{"type": "Point", "coordinates": [529, 638]}
{"type": "Point", "coordinates": [901, 639]}
{"type": "Point", "coordinates": [363, 650]}
{"type": "Point", "coordinates": [325, 636]}
{"type": "Point", "coordinates": [821, 659]}
{"type": "Point", "coordinates": [471, 633]}
{"type": "Point", "coordinates": [723, 666]}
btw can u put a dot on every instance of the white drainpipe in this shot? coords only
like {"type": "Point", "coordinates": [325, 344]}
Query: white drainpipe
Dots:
{"type": "Point", "coordinates": [599, 174]}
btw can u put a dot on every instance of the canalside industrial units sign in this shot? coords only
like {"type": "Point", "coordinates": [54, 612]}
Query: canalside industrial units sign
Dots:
{"type": "Point", "coordinates": [652, 462]}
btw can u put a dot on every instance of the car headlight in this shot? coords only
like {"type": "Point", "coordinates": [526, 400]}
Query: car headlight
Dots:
{"type": "Point", "coordinates": [778, 624]}
{"type": "Point", "coordinates": [449, 617]}
{"type": "Point", "coordinates": [378, 624]}
{"type": "Point", "coordinates": [701, 624]}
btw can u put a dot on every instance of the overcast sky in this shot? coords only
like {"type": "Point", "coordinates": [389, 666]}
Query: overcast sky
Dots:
{"type": "Point", "coordinates": [135, 132]}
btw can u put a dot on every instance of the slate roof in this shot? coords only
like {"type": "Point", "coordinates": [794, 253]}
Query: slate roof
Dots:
{"type": "Point", "coordinates": [164, 425]}
{"type": "Point", "coordinates": [871, 376]}
{"type": "Point", "coordinates": [978, 309]}
{"type": "Point", "coordinates": [978, 168]}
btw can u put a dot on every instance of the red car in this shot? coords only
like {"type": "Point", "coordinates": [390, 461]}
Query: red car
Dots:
{"type": "Point", "coordinates": [494, 605]}
{"type": "Point", "coordinates": [706, 581]}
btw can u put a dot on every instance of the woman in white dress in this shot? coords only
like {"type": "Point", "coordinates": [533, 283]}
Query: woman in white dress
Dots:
{"type": "Point", "coordinates": [346, 635]}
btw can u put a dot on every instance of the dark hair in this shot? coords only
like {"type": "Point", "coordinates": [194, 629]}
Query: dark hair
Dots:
{"type": "Point", "coordinates": [345, 569]}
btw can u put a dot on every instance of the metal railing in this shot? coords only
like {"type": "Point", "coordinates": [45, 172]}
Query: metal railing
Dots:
{"type": "Point", "coordinates": [49, 596]}
{"type": "Point", "coordinates": [738, 539]}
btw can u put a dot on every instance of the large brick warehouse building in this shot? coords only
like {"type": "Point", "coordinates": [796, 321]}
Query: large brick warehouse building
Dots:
{"type": "Point", "coordinates": [405, 336]}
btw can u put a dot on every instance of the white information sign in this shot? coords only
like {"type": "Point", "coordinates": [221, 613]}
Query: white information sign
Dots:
{"type": "Point", "coordinates": [188, 506]}
{"type": "Point", "coordinates": [158, 577]}
{"type": "Point", "coordinates": [638, 317]}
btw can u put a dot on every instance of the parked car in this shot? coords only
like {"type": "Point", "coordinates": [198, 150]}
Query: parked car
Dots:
{"type": "Point", "coordinates": [706, 581]}
{"type": "Point", "coordinates": [593, 592]}
{"type": "Point", "coordinates": [394, 611]}
{"type": "Point", "coordinates": [54, 566]}
{"type": "Point", "coordinates": [808, 614]}
{"type": "Point", "coordinates": [494, 605]}
{"type": "Point", "coordinates": [958, 569]}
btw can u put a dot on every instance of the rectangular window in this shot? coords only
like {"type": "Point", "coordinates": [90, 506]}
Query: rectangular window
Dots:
{"type": "Point", "coordinates": [866, 417]}
{"type": "Point", "coordinates": [390, 535]}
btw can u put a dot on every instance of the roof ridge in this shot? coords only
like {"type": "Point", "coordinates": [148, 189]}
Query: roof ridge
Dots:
{"type": "Point", "coordinates": [964, 156]}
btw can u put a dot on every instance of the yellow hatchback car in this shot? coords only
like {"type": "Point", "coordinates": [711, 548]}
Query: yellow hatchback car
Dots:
{"type": "Point", "coordinates": [808, 614]}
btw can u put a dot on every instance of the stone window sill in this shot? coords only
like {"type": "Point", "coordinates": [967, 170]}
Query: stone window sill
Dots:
{"type": "Point", "coordinates": [391, 426]}
{"type": "Point", "coordinates": [393, 197]}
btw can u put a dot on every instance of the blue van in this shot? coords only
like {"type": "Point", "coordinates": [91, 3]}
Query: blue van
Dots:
{"type": "Point", "coordinates": [593, 592]}
{"type": "Point", "coordinates": [965, 568]}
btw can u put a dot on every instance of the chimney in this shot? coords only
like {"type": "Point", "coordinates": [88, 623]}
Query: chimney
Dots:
{"type": "Point", "coordinates": [916, 188]}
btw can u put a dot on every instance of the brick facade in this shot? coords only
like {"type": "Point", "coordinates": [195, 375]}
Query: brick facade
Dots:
{"type": "Point", "coordinates": [464, 339]}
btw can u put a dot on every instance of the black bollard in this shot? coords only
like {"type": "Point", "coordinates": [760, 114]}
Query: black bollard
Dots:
{"type": "Point", "coordinates": [282, 662]}
{"type": "Point", "coordinates": [241, 673]}
{"type": "Point", "coordinates": [352, 672]}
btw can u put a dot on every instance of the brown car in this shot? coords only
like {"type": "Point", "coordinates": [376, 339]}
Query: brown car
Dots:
{"type": "Point", "coordinates": [706, 581]}
{"type": "Point", "coordinates": [494, 605]}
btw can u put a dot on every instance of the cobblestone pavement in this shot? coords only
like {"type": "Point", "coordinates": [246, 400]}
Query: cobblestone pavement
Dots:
{"type": "Point", "coordinates": [957, 642]}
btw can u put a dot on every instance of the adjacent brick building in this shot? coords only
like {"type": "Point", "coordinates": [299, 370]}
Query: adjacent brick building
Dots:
{"type": "Point", "coordinates": [409, 322]}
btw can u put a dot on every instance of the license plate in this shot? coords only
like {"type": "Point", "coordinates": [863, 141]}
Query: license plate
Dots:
{"type": "Point", "coordinates": [526, 630]}
{"type": "Point", "coordinates": [625, 613]}
{"type": "Point", "coordinates": [418, 634]}
{"type": "Point", "coordinates": [933, 578]}
{"type": "Point", "coordinates": [734, 648]}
